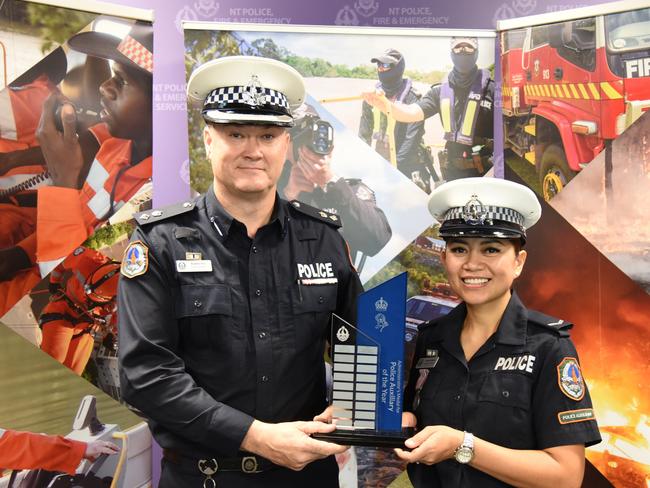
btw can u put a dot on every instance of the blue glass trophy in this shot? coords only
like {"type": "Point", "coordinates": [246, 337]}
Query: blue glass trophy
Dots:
{"type": "Point", "coordinates": [368, 370]}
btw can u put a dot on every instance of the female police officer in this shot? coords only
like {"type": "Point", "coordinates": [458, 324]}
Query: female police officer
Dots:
{"type": "Point", "coordinates": [497, 391]}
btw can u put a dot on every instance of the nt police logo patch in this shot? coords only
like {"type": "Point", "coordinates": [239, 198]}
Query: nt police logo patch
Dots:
{"type": "Point", "coordinates": [570, 379]}
{"type": "Point", "coordinates": [136, 260]}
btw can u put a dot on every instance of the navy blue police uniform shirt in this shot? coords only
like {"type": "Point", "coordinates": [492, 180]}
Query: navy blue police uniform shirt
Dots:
{"type": "Point", "coordinates": [217, 329]}
{"type": "Point", "coordinates": [523, 389]}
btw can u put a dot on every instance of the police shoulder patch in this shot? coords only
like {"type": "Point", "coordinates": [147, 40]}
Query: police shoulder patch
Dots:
{"type": "Point", "coordinates": [316, 213]}
{"type": "Point", "coordinates": [151, 216]}
{"type": "Point", "coordinates": [136, 260]}
{"type": "Point", "coordinates": [559, 326]}
{"type": "Point", "coordinates": [569, 378]}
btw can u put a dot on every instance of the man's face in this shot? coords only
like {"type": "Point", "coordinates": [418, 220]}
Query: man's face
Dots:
{"type": "Point", "coordinates": [246, 159]}
{"type": "Point", "coordinates": [126, 102]}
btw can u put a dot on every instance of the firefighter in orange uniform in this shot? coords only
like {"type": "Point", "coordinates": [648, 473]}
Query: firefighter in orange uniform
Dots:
{"type": "Point", "coordinates": [27, 450]}
{"type": "Point", "coordinates": [20, 162]}
{"type": "Point", "coordinates": [86, 300]}
{"type": "Point", "coordinates": [93, 174]}
{"type": "Point", "coordinates": [84, 195]}
{"type": "Point", "coordinates": [22, 166]}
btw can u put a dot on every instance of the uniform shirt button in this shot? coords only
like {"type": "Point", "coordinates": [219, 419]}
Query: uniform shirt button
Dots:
{"type": "Point", "coordinates": [197, 303]}
{"type": "Point", "coordinates": [254, 249]}
{"type": "Point", "coordinates": [261, 335]}
{"type": "Point", "coordinates": [321, 299]}
{"type": "Point", "coordinates": [258, 293]}
{"type": "Point", "coordinates": [457, 397]}
{"type": "Point", "coordinates": [505, 393]}
{"type": "Point", "coordinates": [265, 379]}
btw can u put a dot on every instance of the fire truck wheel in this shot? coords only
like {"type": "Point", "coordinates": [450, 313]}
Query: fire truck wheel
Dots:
{"type": "Point", "coordinates": [554, 172]}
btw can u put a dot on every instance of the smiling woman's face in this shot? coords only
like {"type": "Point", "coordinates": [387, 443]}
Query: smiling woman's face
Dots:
{"type": "Point", "coordinates": [481, 270]}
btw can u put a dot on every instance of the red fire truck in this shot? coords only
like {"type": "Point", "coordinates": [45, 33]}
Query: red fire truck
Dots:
{"type": "Point", "coordinates": [571, 85]}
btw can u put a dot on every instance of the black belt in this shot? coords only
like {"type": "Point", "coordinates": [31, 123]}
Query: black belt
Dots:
{"type": "Point", "coordinates": [209, 466]}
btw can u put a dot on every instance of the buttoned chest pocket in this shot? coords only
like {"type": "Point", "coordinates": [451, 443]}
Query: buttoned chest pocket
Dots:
{"type": "Point", "coordinates": [505, 396]}
{"type": "Point", "coordinates": [506, 389]}
{"type": "Point", "coordinates": [312, 306]}
{"type": "Point", "coordinates": [205, 315]}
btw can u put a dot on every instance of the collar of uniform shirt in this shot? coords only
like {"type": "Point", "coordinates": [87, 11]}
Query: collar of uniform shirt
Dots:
{"type": "Point", "coordinates": [512, 328]}
{"type": "Point", "coordinates": [224, 220]}
{"type": "Point", "coordinates": [511, 331]}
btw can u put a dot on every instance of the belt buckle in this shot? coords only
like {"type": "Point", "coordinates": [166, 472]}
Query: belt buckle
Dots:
{"type": "Point", "coordinates": [249, 465]}
{"type": "Point", "coordinates": [208, 467]}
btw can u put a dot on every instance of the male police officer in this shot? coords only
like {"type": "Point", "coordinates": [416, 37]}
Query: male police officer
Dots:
{"type": "Point", "coordinates": [464, 101]}
{"type": "Point", "coordinates": [226, 301]}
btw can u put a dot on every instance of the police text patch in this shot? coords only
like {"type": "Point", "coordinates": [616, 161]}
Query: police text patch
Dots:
{"type": "Point", "coordinates": [570, 379]}
{"type": "Point", "coordinates": [316, 274]}
{"type": "Point", "coordinates": [516, 363]}
{"type": "Point", "coordinates": [571, 416]}
{"type": "Point", "coordinates": [136, 260]}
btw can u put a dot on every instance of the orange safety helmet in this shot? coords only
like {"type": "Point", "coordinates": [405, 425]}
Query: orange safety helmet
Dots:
{"type": "Point", "coordinates": [101, 284]}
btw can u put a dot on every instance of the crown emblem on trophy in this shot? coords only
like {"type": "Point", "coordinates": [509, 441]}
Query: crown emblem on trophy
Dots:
{"type": "Point", "coordinates": [254, 93]}
{"type": "Point", "coordinates": [475, 213]}
{"type": "Point", "coordinates": [381, 305]}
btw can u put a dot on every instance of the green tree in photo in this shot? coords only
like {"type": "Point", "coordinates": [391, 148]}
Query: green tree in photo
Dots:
{"type": "Point", "coordinates": [57, 25]}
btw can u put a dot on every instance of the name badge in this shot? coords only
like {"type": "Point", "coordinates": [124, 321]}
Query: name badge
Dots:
{"type": "Point", "coordinates": [193, 266]}
{"type": "Point", "coordinates": [429, 361]}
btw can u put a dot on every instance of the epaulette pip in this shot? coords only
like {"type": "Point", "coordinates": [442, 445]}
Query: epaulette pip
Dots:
{"type": "Point", "coordinates": [151, 216]}
{"type": "Point", "coordinates": [558, 326]}
{"type": "Point", "coordinates": [316, 213]}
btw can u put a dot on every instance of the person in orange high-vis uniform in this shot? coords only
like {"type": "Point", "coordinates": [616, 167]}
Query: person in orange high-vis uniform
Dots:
{"type": "Point", "coordinates": [67, 216]}
{"type": "Point", "coordinates": [95, 172]}
{"type": "Point", "coordinates": [27, 450]}
{"type": "Point", "coordinates": [75, 306]}
{"type": "Point", "coordinates": [22, 165]}
{"type": "Point", "coordinates": [83, 195]}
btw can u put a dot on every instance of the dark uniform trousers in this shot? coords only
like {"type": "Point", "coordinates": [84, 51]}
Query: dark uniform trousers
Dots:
{"type": "Point", "coordinates": [509, 392]}
{"type": "Point", "coordinates": [218, 329]}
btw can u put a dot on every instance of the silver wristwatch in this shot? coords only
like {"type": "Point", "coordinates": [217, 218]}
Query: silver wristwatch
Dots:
{"type": "Point", "coordinates": [465, 452]}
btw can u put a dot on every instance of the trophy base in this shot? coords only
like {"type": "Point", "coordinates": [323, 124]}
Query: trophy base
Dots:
{"type": "Point", "coordinates": [367, 437]}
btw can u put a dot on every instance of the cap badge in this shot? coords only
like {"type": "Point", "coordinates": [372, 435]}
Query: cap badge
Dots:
{"type": "Point", "coordinates": [474, 213]}
{"type": "Point", "coordinates": [254, 93]}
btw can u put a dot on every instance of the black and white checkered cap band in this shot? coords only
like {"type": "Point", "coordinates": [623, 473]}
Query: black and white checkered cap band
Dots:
{"type": "Point", "coordinates": [227, 95]}
{"type": "Point", "coordinates": [489, 212]}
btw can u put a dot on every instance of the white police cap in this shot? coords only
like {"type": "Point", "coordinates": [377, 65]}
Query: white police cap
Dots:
{"type": "Point", "coordinates": [246, 90]}
{"type": "Point", "coordinates": [484, 207]}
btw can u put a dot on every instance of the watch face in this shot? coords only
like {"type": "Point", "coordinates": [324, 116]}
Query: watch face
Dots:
{"type": "Point", "coordinates": [464, 455]}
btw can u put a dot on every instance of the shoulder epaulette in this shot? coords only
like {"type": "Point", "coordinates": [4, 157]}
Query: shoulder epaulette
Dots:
{"type": "Point", "coordinates": [427, 325]}
{"type": "Point", "coordinates": [151, 216]}
{"type": "Point", "coordinates": [559, 326]}
{"type": "Point", "coordinates": [316, 213]}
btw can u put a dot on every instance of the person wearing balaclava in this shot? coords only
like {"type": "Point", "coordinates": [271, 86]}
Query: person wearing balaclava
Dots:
{"type": "Point", "coordinates": [464, 102]}
{"type": "Point", "coordinates": [399, 143]}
